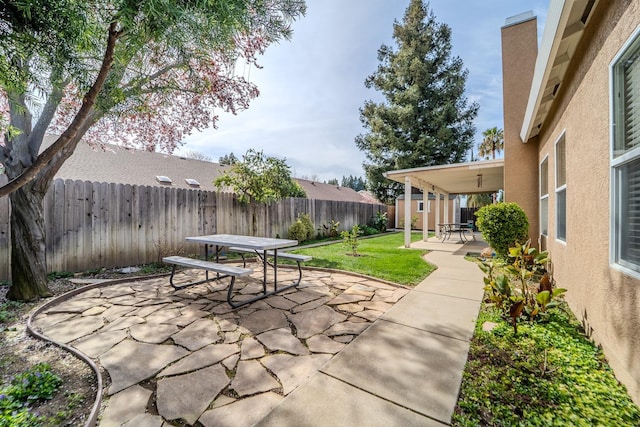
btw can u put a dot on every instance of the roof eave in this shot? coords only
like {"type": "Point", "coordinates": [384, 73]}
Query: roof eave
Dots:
{"type": "Point", "coordinates": [566, 22]}
{"type": "Point", "coordinates": [557, 17]}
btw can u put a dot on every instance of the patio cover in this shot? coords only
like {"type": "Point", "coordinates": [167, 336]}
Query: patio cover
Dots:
{"type": "Point", "coordinates": [485, 176]}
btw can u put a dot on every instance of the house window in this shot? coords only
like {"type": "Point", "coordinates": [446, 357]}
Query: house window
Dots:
{"type": "Point", "coordinates": [420, 206]}
{"type": "Point", "coordinates": [561, 190]}
{"type": "Point", "coordinates": [625, 161]}
{"type": "Point", "coordinates": [544, 197]}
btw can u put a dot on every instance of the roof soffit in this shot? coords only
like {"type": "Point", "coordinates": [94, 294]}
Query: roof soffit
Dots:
{"type": "Point", "coordinates": [461, 178]}
{"type": "Point", "coordinates": [566, 22]}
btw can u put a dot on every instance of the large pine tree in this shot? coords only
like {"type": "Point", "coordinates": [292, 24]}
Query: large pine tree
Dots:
{"type": "Point", "coordinates": [425, 119]}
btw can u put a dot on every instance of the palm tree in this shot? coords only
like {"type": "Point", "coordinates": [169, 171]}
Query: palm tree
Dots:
{"type": "Point", "coordinates": [492, 142]}
{"type": "Point", "coordinates": [479, 200]}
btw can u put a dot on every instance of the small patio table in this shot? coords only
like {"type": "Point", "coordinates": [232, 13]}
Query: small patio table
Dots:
{"type": "Point", "coordinates": [263, 246]}
{"type": "Point", "coordinates": [449, 228]}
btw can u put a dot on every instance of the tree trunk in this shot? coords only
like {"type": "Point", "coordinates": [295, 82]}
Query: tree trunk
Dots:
{"type": "Point", "coordinates": [28, 259]}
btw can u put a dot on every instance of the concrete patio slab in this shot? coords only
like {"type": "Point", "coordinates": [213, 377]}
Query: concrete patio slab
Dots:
{"type": "Point", "coordinates": [448, 316]}
{"type": "Point", "coordinates": [467, 274]}
{"type": "Point", "coordinates": [453, 287]}
{"type": "Point", "coordinates": [324, 400]}
{"type": "Point", "coordinates": [412, 368]}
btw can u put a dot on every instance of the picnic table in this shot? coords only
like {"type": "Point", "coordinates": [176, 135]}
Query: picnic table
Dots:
{"type": "Point", "coordinates": [265, 248]}
{"type": "Point", "coordinates": [447, 229]}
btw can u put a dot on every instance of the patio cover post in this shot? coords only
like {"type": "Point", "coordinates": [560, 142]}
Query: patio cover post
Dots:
{"type": "Point", "coordinates": [425, 214]}
{"type": "Point", "coordinates": [446, 209]}
{"type": "Point", "coordinates": [437, 213]}
{"type": "Point", "coordinates": [407, 211]}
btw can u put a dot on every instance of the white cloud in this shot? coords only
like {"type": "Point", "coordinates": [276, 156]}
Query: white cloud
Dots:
{"type": "Point", "coordinates": [313, 86]}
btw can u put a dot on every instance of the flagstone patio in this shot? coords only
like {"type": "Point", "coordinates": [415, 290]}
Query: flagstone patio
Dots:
{"type": "Point", "coordinates": [187, 355]}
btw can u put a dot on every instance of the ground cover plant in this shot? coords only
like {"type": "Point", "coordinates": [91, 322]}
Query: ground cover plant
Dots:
{"type": "Point", "coordinates": [548, 374]}
{"type": "Point", "coordinates": [380, 257]}
{"type": "Point", "coordinates": [530, 364]}
{"type": "Point", "coordinates": [37, 384]}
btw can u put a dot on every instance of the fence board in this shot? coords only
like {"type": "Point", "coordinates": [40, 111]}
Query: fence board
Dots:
{"type": "Point", "coordinates": [55, 248]}
{"type": "Point", "coordinates": [94, 225]}
{"type": "Point", "coordinates": [104, 224]}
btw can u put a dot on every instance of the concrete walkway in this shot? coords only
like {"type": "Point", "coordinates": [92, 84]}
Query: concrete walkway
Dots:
{"type": "Point", "coordinates": [339, 350]}
{"type": "Point", "coordinates": [406, 369]}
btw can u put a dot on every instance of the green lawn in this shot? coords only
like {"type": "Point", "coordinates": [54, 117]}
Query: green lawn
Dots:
{"type": "Point", "coordinates": [379, 257]}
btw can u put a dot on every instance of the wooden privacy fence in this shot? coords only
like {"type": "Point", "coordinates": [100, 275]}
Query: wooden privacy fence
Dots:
{"type": "Point", "coordinates": [95, 225]}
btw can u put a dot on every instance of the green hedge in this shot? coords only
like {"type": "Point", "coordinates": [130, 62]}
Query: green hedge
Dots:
{"type": "Point", "coordinates": [503, 225]}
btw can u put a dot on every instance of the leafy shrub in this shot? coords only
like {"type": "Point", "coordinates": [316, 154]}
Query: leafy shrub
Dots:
{"type": "Point", "coordinates": [379, 222]}
{"type": "Point", "coordinates": [303, 229]}
{"type": "Point", "coordinates": [523, 286]}
{"type": "Point", "coordinates": [413, 224]}
{"type": "Point", "coordinates": [331, 229]}
{"type": "Point", "coordinates": [503, 225]}
{"type": "Point", "coordinates": [366, 230]}
{"type": "Point", "coordinates": [350, 239]}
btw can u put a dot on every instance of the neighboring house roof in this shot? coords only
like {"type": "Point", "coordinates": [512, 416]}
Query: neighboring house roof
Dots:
{"type": "Point", "coordinates": [115, 164]}
{"type": "Point", "coordinates": [368, 197]}
{"type": "Point", "coordinates": [321, 191]}
{"type": "Point", "coordinates": [123, 166]}
{"type": "Point", "coordinates": [566, 22]}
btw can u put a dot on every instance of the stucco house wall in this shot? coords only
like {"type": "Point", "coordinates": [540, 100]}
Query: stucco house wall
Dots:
{"type": "Point", "coordinates": [519, 51]}
{"type": "Point", "coordinates": [605, 300]}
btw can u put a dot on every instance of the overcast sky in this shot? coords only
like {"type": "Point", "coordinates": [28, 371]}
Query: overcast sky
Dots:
{"type": "Point", "coordinates": [311, 88]}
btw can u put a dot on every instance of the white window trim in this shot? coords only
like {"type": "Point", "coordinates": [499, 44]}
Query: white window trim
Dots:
{"type": "Point", "coordinates": [543, 196]}
{"type": "Point", "coordinates": [615, 162]}
{"type": "Point", "coordinates": [420, 202]}
{"type": "Point", "coordinates": [562, 187]}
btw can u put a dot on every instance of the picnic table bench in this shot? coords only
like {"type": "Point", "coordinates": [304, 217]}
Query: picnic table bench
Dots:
{"type": "Point", "coordinates": [221, 270]}
{"type": "Point", "coordinates": [280, 255]}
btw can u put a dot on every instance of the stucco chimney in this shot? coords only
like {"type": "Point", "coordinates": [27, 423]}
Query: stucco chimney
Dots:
{"type": "Point", "coordinates": [519, 53]}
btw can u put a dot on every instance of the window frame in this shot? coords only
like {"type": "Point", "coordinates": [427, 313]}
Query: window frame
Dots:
{"type": "Point", "coordinates": [420, 203]}
{"type": "Point", "coordinates": [618, 160]}
{"type": "Point", "coordinates": [545, 196]}
{"type": "Point", "coordinates": [560, 188]}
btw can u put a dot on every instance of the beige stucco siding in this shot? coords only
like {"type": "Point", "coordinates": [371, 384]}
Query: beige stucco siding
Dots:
{"type": "Point", "coordinates": [519, 51]}
{"type": "Point", "coordinates": [432, 214]}
{"type": "Point", "coordinates": [604, 299]}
